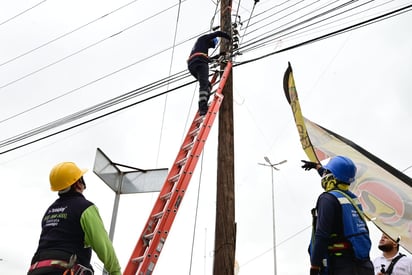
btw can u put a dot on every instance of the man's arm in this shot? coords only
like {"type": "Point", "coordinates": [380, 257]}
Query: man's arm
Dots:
{"type": "Point", "coordinates": [327, 213]}
{"type": "Point", "coordinates": [96, 236]}
{"type": "Point", "coordinates": [221, 34]}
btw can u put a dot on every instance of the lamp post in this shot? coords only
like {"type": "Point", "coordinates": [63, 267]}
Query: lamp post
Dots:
{"type": "Point", "coordinates": [273, 166]}
{"type": "Point", "coordinates": [133, 181]}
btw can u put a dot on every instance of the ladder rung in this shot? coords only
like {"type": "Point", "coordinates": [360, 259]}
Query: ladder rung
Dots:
{"type": "Point", "coordinates": [189, 146]}
{"type": "Point", "coordinates": [166, 196]}
{"type": "Point", "coordinates": [158, 215]}
{"type": "Point", "coordinates": [174, 178]}
{"type": "Point", "coordinates": [194, 132]}
{"type": "Point", "coordinates": [138, 259]}
{"type": "Point", "coordinates": [199, 119]}
{"type": "Point", "coordinates": [181, 162]}
{"type": "Point", "coordinates": [148, 237]}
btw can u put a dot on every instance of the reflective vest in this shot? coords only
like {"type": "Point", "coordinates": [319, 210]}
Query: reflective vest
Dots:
{"type": "Point", "coordinates": [355, 229]}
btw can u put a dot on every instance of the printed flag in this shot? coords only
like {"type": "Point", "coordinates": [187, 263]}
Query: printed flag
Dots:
{"type": "Point", "coordinates": [385, 192]}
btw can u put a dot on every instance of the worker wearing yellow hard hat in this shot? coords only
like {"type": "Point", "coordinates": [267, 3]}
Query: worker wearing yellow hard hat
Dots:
{"type": "Point", "coordinates": [71, 229]}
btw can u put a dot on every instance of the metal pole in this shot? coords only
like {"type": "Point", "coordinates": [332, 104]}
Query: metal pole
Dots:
{"type": "Point", "coordinates": [273, 223]}
{"type": "Point", "coordinates": [114, 214]}
{"type": "Point", "coordinates": [273, 166]}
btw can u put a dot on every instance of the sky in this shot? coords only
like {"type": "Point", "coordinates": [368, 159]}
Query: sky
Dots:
{"type": "Point", "coordinates": [356, 84]}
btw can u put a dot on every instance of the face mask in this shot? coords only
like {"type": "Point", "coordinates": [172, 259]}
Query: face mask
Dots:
{"type": "Point", "coordinates": [328, 182]}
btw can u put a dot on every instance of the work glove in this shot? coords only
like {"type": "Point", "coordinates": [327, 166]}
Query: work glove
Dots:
{"type": "Point", "coordinates": [307, 165]}
{"type": "Point", "coordinates": [314, 271]}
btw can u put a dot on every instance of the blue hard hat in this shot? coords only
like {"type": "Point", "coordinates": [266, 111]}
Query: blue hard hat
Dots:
{"type": "Point", "coordinates": [215, 42]}
{"type": "Point", "coordinates": [342, 168]}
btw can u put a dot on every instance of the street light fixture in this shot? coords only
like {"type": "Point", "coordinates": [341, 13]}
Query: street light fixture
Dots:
{"type": "Point", "coordinates": [270, 164]}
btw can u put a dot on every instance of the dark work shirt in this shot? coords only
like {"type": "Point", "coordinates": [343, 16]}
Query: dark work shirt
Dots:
{"type": "Point", "coordinates": [329, 220]}
{"type": "Point", "coordinates": [205, 42]}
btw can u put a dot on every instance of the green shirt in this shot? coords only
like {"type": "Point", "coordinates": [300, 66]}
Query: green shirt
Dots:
{"type": "Point", "coordinates": [96, 237]}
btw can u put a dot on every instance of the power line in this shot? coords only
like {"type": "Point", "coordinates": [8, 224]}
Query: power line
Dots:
{"type": "Point", "coordinates": [65, 34]}
{"type": "Point", "coordinates": [21, 13]}
{"type": "Point", "coordinates": [92, 82]}
{"type": "Point", "coordinates": [288, 31]}
{"type": "Point", "coordinates": [282, 242]}
{"type": "Point", "coordinates": [83, 49]}
{"type": "Point", "coordinates": [270, 38]}
{"type": "Point", "coordinates": [251, 45]}
{"type": "Point", "coordinates": [293, 24]}
{"type": "Point", "coordinates": [62, 121]}
{"type": "Point", "coordinates": [170, 71]}
{"type": "Point", "coordinates": [177, 77]}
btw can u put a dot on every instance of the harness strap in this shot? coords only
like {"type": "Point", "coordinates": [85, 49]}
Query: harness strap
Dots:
{"type": "Point", "coordinates": [70, 267]}
{"type": "Point", "coordinates": [339, 246]}
{"type": "Point", "coordinates": [48, 263]}
{"type": "Point", "coordinates": [198, 54]}
{"type": "Point", "coordinates": [355, 205]}
{"type": "Point", "coordinates": [339, 249]}
{"type": "Point", "coordinates": [393, 262]}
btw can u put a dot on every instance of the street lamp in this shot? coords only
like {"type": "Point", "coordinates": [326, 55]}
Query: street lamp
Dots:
{"type": "Point", "coordinates": [269, 164]}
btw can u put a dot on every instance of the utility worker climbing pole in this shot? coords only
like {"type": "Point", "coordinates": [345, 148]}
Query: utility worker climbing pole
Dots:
{"type": "Point", "coordinates": [71, 228]}
{"type": "Point", "coordinates": [198, 65]}
{"type": "Point", "coordinates": [340, 243]}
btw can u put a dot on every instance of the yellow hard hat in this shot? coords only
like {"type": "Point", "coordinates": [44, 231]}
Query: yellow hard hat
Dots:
{"type": "Point", "coordinates": [64, 175]}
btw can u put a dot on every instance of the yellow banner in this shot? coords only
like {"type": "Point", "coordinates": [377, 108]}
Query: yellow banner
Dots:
{"type": "Point", "coordinates": [385, 192]}
{"type": "Point", "coordinates": [292, 97]}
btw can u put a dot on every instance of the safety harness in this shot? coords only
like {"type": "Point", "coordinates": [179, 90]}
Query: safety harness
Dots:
{"type": "Point", "coordinates": [341, 247]}
{"type": "Point", "coordinates": [391, 265]}
{"type": "Point", "coordinates": [197, 54]}
{"type": "Point", "coordinates": [70, 268]}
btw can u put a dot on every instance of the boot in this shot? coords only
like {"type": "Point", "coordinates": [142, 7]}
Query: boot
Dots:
{"type": "Point", "coordinates": [203, 107]}
{"type": "Point", "coordinates": [203, 99]}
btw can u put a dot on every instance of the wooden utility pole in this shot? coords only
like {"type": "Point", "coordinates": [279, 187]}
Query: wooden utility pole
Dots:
{"type": "Point", "coordinates": [225, 231]}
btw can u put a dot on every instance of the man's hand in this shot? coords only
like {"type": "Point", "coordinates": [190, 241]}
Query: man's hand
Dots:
{"type": "Point", "coordinates": [314, 271]}
{"type": "Point", "coordinates": [307, 165]}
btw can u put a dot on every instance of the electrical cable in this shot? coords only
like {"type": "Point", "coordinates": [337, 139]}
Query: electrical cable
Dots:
{"type": "Point", "coordinates": [273, 7]}
{"type": "Point", "coordinates": [248, 21]}
{"type": "Point", "coordinates": [92, 119]}
{"type": "Point", "coordinates": [21, 13]}
{"type": "Point", "coordinates": [98, 107]}
{"type": "Point", "coordinates": [292, 29]}
{"type": "Point", "coordinates": [84, 48]}
{"type": "Point", "coordinates": [337, 32]}
{"type": "Point", "coordinates": [274, 14]}
{"type": "Point", "coordinates": [285, 27]}
{"type": "Point", "coordinates": [303, 28]}
{"type": "Point", "coordinates": [214, 15]}
{"type": "Point", "coordinates": [178, 78]}
{"type": "Point", "coordinates": [170, 71]}
{"type": "Point", "coordinates": [270, 249]}
{"type": "Point", "coordinates": [91, 82]}
{"type": "Point", "coordinates": [251, 48]}
{"type": "Point", "coordinates": [196, 215]}
{"type": "Point", "coordinates": [66, 34]}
